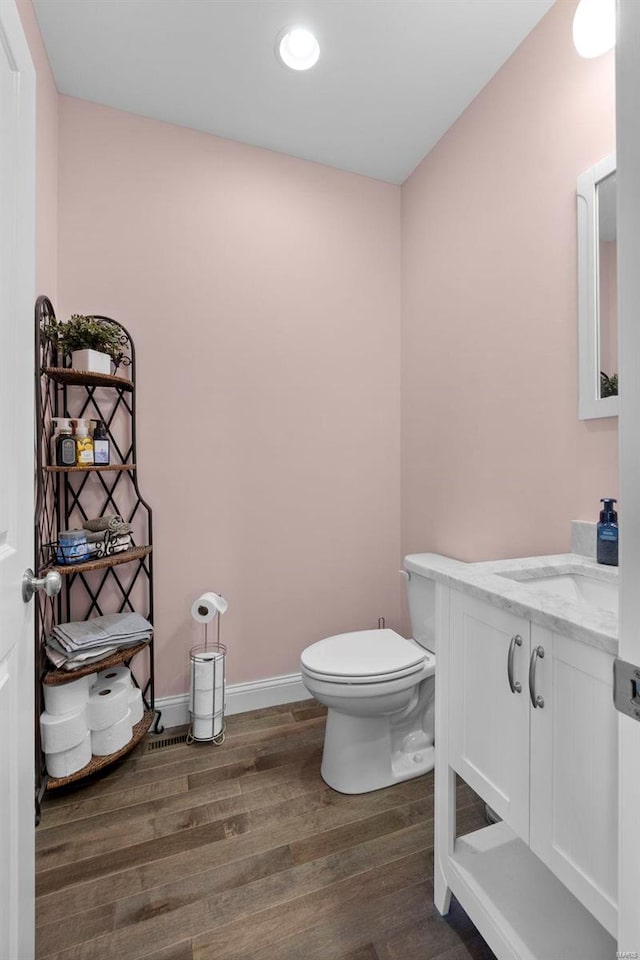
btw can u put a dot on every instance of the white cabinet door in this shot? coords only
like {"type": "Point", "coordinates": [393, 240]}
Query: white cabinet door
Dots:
{"type": "Point", "coordinates": [488, 721]}
{"type": "Point", "coordinates": [574, 771]}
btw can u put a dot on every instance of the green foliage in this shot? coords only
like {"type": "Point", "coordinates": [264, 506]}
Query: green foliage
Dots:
{"type": "Point", "coordinates": [608, 385]}
{"type": "Point", "coordinates": [85, 333]}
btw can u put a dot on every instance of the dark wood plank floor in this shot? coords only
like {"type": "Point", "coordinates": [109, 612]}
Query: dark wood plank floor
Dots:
{"type": "Point", "coordinates": [241, 852]}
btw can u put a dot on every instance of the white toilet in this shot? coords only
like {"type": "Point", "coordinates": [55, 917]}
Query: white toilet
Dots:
{"type": "Point", "coordinates": [379, 689]}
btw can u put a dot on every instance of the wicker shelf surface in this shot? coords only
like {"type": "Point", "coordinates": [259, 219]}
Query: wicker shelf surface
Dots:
{"type": "Point", "coordinates": [84, 378]}
{"type": "Point", "coordinates": [136, 553]}
{"type": "Point", "coordinates": [55, 678]}
{"type": "Point", "coordinates": [99, 763]}
{"type": "Point", "coordinates": [93, 468]}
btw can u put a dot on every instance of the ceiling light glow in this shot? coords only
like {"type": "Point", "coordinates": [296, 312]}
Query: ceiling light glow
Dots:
{"type": "Point", "coordinates": [594, 27]}
{"type": "Point", "coordinates": [298, 48]}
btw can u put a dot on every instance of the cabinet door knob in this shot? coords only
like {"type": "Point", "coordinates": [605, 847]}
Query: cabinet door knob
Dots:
{"type": "Point", "coordinates": [516, 686]}
{"type": "Point", "coordinates": [536, 654]}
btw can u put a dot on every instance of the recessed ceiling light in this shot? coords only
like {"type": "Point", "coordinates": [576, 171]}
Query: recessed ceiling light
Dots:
{"type": "Point", "coordinates": [594, 27]}
{"type": "Point", "coordinates": [297, 48]}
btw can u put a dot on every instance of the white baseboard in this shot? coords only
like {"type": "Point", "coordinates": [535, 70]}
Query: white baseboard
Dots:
{"type": "Point", "coordinates": [239, 698]}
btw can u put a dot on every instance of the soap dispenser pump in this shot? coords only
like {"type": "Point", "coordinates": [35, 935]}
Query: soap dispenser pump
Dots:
{"type": "Point", "coordinates": [607, 536]}
{"type": "Point", "coordinates": [84, 443]}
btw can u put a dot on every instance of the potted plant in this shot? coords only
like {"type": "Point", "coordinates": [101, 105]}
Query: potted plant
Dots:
{"type": "Point", "coordinates": [93, 344]}
{"type": "Point", "coordinates": [608, 385]}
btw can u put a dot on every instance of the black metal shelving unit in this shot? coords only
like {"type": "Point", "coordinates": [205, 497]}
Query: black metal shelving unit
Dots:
{"type": "Point", "coordinates": [65, 497]}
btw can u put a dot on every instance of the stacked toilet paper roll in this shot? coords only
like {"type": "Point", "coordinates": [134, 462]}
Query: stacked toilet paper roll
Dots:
{"type": "Point", "coordinates": [207, 694]}
{"type": "Point", "coordinates": [109, 716]}
{"type": "Point", "coordinates": [67, 696]}
{"type": "Point", "coordinates": [122, 674]}
{"type": "Point", "coordinates": [64, 732]}
{"type": "Point", "coordinates": [136, 706]}
{"type": "Point", "coordinates": [66, 762]}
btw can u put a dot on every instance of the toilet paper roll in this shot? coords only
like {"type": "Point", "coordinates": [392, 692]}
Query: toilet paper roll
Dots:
{"type": "Point", "coordinates": [136, 706]}
{"type": "Point", "coordinates": [108, 704]}
{"type": "Point", "coordinates": [115, 737]}
{"type": "Point", "coordinates": [204, 609]}
{"type": "Point", "coordinates": [202, 703]}
{"type": "Point", "coordinates": [204, 670]}
{"type": "Point", "coordinates": [66, 762]}
{"type": "Point", "coordinates": [66, 697]}
{"type": "Point", "coordinates": [61, 731]}
{"type": "Point", "coordinates": [206, 728]}
{"type": "Point", "coordinates": [120, 674]}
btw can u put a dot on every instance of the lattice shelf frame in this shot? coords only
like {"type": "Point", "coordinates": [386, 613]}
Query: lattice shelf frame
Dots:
{"type": "Point", "coordinates": [67, 497]}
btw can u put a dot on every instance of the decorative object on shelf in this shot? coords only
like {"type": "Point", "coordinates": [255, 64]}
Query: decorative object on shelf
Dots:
{"type": "Point", "coordinates": [84, 443]}
{"type": "Point", "coordinates": [101, 448]}
{"type": "Point", "coordinates": [206, 704]}
{"type": "Point", "coordinates": [79, 546]}
{"type": "Point", "coordinates": [71, 546]}
{"type": "Point", "coordinates": [608, 385]}
{"type": "Point", "coordinates": [92, 342]}
{"type": "Point", "coordinates": [63, 446]}
{"type": "Point", "coordinates": [116, 574]}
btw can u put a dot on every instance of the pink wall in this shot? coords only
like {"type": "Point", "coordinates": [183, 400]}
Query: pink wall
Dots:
{"type": "Point", "coordinates": [46, 156]}
{"type": "Point", "coordinates": [263, 293]}
{"type": "Point", "coordinates": [495, 461]}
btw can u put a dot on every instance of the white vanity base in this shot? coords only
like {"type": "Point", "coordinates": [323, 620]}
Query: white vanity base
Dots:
{"type": "Point", "coordinates": [521, 909]}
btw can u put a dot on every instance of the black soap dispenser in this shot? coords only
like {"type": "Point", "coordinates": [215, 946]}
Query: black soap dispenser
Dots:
{"type": "Point", "coordinates": [607, 544]}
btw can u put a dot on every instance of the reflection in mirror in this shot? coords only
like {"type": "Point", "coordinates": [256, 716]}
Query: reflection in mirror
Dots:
{"type": "Point", "coordinates": [597, 292]}
{"type": "Point", "coordinates": [607, 286]}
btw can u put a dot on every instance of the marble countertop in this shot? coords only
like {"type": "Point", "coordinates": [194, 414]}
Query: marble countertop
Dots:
{"type": "Point", "coordinates": [503, 584]}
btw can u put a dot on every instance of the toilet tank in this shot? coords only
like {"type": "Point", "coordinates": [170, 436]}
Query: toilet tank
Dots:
{"type": "Point", "coordinates": [421, 594]}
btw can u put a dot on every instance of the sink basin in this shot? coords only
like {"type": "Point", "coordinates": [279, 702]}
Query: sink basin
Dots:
{"type": "Point", "coordinates": [579, 588]}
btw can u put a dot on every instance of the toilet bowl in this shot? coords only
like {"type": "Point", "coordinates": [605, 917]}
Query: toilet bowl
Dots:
{"type": "Point", "coordinates": [379, 690]}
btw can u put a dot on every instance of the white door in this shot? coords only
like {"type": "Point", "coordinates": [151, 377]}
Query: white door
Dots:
{"type": "Point", "coordinates": [17, 289]}
{"type": "Point", "coordinates": [489, 706]}
{"type": "Point", "coordinates": [628, 218]}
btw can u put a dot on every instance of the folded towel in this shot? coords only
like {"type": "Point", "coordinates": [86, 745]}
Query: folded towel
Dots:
{"type": "Point", "coordinates": [97, 536]}
{"type": "Point", "coordinates": [111, 522]}
{"type": "Point", "coordinates": [71, 661]}
{"type": "Point", "coordinates": [102, 631]}
{"type": "Point", "coordinates": [103, 543]}
{"type": "Point", "coordinates": [113, 544]}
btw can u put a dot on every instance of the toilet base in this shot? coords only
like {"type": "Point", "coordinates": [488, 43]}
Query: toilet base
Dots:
{"type": "Point", "coordinates": [362, 754]}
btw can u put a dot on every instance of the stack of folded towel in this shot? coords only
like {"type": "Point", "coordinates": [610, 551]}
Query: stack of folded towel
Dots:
{"type": "Point", "coordinates": [107, 535]}
{"type": "Point", "coordinates": [75, 644]}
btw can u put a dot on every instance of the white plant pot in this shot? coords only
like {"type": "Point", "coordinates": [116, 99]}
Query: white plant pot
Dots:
{"type": "Point", "coordinates": [91, 361]}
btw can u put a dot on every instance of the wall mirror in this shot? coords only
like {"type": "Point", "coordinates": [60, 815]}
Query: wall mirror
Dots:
{"type": "Point", "coordinates": [597, 292]}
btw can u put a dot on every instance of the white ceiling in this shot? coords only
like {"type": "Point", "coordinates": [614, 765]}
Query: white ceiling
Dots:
{"type": "Point", "coordinates": [393, 75]}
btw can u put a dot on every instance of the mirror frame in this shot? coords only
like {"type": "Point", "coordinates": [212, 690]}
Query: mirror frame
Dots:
{"type": "Point", "coordinates": [591, 405]}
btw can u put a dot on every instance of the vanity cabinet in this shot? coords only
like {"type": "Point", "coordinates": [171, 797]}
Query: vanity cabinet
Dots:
{"type": "Point", "coordinates": [574, 771]}
{"type": "Point", "coordinates": [488, 721]}
{"type": "Point", "coordinates": [531, 727]}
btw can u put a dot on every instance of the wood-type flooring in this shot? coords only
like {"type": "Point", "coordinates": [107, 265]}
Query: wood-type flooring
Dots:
{"type": "Point", "coordinates": [242, 852]}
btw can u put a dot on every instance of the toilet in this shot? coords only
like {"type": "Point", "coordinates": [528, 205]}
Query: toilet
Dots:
{"type": "Point", "coordinates": [379, 690]}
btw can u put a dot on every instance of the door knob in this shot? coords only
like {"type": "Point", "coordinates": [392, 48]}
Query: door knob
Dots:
{"type": "Point", "coordinates": [51, 584]}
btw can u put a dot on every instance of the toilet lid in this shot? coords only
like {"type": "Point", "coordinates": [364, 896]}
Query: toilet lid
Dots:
{"type": "Point", "coordinates": [365, 656]}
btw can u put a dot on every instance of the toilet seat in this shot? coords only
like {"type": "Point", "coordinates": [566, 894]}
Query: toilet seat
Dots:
{"type": "Point", "coordinates": [365, 656]}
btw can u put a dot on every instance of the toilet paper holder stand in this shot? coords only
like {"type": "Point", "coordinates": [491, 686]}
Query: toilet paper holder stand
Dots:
{"type": "Point", "coordinates": [207, 725]}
